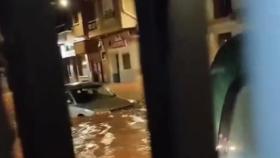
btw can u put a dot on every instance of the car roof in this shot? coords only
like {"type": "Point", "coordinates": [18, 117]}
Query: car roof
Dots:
{"type": "Point", "coordinates": [78, 85]}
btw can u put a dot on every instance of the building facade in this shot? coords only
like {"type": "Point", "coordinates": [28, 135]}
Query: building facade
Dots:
{"type": "Point", "coordinates": [105, 45]}
{"type": "Point", "coordinates": [121, 60]}
{"type": "Point", "coordinates": [224, 21]}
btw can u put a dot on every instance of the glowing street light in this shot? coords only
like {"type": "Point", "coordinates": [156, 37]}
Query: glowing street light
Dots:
{"type": "Point", "coordinates": [64, 3]}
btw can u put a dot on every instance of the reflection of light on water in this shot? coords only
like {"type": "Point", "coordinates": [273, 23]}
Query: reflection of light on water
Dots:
{"type": "Point", "coordinates": [107, 128]}
{"type": "Point", "coordinates": [108, 139]}
{"type": "Point", "coordinates": [124, 116]}
{"type": "Point", "coordinates": [145, 146]}
{"type": "Point", "coordinates": [143, 109]}
{"type": "Point", "coordinates": [104, 139]}
{"type": "Point", "coordinates": [136, 119]}
{"type": "Point", "coordinates": [84, 134]}
{"type": "Point", "coordinates": [86, 154]}
{"type": "Point", "coordinates": [109, 153]}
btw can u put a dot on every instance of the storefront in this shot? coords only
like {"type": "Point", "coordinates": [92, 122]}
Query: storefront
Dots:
{"type": "Point", "coordinates": [75, 61]}
{"type": "Point", "coordinates": [88, 53]}
{"type": "Point", "coordinates": [68, 54]}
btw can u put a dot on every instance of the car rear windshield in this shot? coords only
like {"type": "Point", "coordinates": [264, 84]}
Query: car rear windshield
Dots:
{"type": "Point", "coordinates": [85, 95]}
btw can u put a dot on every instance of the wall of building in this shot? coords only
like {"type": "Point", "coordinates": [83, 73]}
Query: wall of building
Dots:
{"type": "Point", "coordinates": [112, 63]}
{"type": "Point", "coordinates": [213, 46]}
{"type": "Point", "coordinates": [130, 75]}
{"type": "Point", "coordinates": [209, 5]}
{"type": "Point", "coordinates": [80, 47]}
{"type": "Point", "coordinates": [211, 37]}
{"type": "Point", "coordinates": [128, 13]}
{"type": "Point", "coordinates": [126, 75]}
{"type": "Point", "coordinates": [77, 28]}
{"type": "Point", "coordinates": [106, 69]}
{"type": "Point", "coordinates": [125, 17]}
{"type": "Point", "coordinates": [106, 26]}
{"type": "Point", "coordinates": [220, 26]}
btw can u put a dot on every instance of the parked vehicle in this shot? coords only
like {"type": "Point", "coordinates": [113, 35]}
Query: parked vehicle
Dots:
{"type": "Point", "coordinates": [87, 98]}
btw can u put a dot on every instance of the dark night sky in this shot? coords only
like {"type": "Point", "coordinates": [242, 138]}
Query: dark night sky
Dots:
{"type": "Point", "coordinates": [64, 16]}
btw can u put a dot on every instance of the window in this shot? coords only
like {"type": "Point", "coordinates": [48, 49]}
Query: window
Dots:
{"type": "Point", "coordinates": [126, 61]}
{"type": "Point", "coordinates": [222, 8]}
{"type": "Point", "coordinates": [69, 99]}
{"type": "Point", "coordinates": [84, 95]}
{"type": "Point", "coordinates": [105, 91]}
{"type": "Point", "coordinates": [89, 15]}
{"type": "Point", "coordinates": [108, 8]}
{"type": "Point", "coordinates": [88, 94]}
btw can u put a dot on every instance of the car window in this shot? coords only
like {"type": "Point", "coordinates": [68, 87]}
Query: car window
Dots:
{"type": "Point", "coordinates": [84, 95]}
{"type": "Point", "coordinates": [69, 99]}
{"type": "Point", "coordinates": [105, 91]}
{"type": "Point", "coordinates": [88, 94]}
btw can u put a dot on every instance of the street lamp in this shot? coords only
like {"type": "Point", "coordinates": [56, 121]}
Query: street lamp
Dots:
{"type": "Point", "coordinates": [64, 3]}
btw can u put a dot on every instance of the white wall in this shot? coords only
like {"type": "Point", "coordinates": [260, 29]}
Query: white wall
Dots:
{"type": "Point", "coordinates": [112, 68]}
{"type": "Point", "coordinates": [126, 75]}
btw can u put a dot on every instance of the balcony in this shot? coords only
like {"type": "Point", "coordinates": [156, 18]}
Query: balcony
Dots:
{"type": "Point", "coordinates": [103, 17]}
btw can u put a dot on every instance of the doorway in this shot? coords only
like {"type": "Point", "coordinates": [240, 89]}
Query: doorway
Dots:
{"type": "Point", "coordinates": [116, 68]}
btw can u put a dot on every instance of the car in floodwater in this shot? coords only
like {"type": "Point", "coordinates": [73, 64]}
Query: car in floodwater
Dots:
{"type": "Point", "coordinates": [88, 98]}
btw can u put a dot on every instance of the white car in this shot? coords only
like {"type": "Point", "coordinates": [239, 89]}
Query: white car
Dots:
{"type": "Point", "coordinates": [87, 98]}
{"type": "Point", "coordinates": [75, 111]}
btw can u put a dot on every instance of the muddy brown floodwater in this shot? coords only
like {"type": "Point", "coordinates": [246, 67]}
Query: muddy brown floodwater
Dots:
{"type": "Point", "coordinates": [121, 134]}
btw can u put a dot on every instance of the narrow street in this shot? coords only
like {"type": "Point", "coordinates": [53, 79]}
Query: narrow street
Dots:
{"type": "Point", "coordinates": [118, 134]}
{"type": "Point", "coordinates": [75, 76]}
{"type": "Point", "coordinates": [121, 134]}
{"type": "Point", "coordinates": [133, 90]}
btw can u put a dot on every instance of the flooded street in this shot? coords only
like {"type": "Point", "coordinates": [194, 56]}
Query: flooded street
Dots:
{"type": "Point", "coordinates": [121, 134]}
{"type": "Point", "coordinates": [118, 134]}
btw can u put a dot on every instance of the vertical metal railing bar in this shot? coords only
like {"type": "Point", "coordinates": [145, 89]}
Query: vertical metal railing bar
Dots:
{"type": "Point", "coordinates": [152, 18]}
{"type": "Point", "coordinates": [35, 77]}
{"type": "Point", "coordinates": [6, 133]}
{"type": "Point", "coordinates": [177, 87]}
{"type": "Point", "coordinates": [7, 136]}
